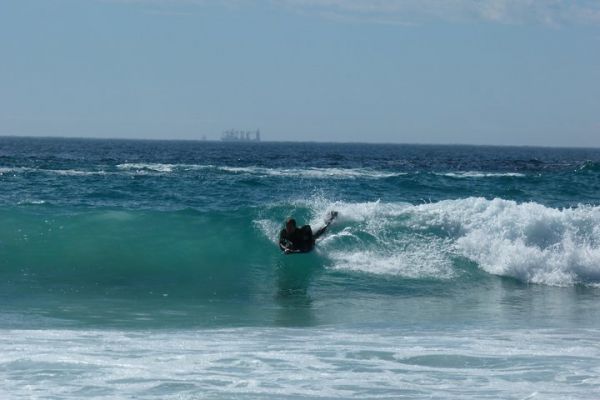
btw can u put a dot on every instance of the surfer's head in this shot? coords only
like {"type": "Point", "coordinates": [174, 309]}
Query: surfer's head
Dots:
{"type": "Point", "coordinates": [290, 225]}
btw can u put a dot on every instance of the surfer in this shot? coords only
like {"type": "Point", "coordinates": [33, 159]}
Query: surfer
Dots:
{"type": "Point", "coordinates": [301, 240]}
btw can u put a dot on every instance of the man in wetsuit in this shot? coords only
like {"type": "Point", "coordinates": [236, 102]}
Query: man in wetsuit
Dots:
{"type": "Point", "coordinates": [301, 240]}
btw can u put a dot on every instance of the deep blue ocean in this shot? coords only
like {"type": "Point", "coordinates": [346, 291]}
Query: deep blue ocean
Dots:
{"type": "Point", "coordinates": [150, 270]}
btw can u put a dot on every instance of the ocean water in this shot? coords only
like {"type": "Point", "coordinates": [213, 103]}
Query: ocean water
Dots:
{"type": "Point", "coordinates": [150, 270]}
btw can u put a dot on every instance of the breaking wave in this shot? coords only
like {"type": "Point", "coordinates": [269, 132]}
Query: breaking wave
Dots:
{"type": "Point", "coordinates": [527, 241]}
{"type": "Point", "coordinates": [446, 241]}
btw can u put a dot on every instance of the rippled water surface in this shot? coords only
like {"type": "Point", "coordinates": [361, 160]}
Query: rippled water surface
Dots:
{"type": "Point", "coordinates": [149, 269]}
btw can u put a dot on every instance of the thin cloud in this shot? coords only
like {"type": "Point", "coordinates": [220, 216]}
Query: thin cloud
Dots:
{"type": "Point", "coordinates": [184, 2]}
{"type": "Point", "coordinates": [165, 13]}
{"type": "Point", "coordinates": [410, 12]}
{"type": "Point", "coordinates": [547, 12]}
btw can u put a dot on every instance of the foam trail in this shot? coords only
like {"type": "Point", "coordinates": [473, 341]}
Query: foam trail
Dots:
{"type": "Point", "coordinates": [155, 167]}
{"type": "Point", "coordinates": [310, 173]}
{"type": "Point", "coordinates": [478, 174]}
{"type": "Point", "coordinates": [315, 173]}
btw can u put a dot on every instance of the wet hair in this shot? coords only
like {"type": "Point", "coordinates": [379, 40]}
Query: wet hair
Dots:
{"type": "Point", "coordinates": [291, 221]}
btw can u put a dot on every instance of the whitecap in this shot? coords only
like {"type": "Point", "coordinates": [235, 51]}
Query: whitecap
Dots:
{"type": "Point", "coordinates": [314, 173]}
{"type": "Point", "coordinates": [479, 174]}
{"type": "Point", "coordinates": [528, 241]}
{"type": "Point", "coordinates": [156, 167]}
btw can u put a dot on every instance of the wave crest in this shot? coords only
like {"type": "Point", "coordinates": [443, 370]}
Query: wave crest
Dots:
{"type": "Point", "coordinates": [527, 241]}
{"type": "Point", "coordinates": [590, 166]}
{"type": "Point", "coordinates": [441, 241]}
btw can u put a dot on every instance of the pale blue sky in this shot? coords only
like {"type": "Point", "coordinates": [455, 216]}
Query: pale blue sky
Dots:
{"type": "Point", "coordinates": [428, 71]}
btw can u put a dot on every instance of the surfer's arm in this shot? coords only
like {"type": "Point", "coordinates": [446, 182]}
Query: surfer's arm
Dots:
{"type": "Point", "coordinates": [328, 222]}
{"type": "Point", "coordinates": [320, 231]}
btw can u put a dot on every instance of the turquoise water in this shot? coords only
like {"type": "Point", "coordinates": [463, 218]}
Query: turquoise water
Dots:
{"type": "Point", "coordinates": [148, 269]}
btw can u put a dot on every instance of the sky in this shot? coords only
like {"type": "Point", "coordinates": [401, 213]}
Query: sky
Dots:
{"type": "Point", "coordinates": [504, 72]}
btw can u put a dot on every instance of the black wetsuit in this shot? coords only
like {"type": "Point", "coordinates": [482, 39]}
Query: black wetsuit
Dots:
{"type": "Point", "coordinates": [302, 240]}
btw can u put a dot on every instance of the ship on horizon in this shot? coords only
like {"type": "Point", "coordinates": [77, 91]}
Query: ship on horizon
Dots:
{"type": "Point", "coordinates": [233, 135]}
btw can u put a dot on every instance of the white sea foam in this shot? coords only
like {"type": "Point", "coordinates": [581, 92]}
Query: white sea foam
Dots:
{"type": "Point", "coordinates": [314, 173]}
{"type": "Point", "coordinates": [143, 168]}
{"type": "Point", "coordinates": [64, 172]}
{"type": "Point", "coordinates": [279, 363]}
{"type": "Point", "coordinates": [365, 238]}
{"type": "Point", "coordinates": [528, 241]}
{"type": "Point", "coordinates": [73, 172]}
{"type": "Point", "coordinates": [12, 170]}
{"type": "Point", "coordinates": [33, 202]}
{"type": "Point", "coordinates": [478, 174]}
{"type": "Point", "coordinates": [139, 167]}
{"type": "Point", "coordinates": [156, 167]}
{"type": "Point", "coordinates": [415, 262]}
{"type": "Point", "coordinates": [374, 241]}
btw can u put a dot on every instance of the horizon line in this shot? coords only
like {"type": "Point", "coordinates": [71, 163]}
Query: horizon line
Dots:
{"type": "Point", "coordinates": [2, 136]}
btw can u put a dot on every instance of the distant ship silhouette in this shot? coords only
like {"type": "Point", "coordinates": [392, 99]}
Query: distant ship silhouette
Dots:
{"type": "Point", "coordinates": [233, 135]}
